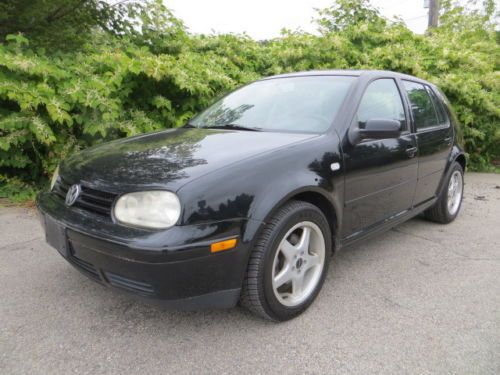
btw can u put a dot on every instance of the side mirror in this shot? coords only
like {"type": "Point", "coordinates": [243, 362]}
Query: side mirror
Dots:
{"type": "Point", "coordinates": [376, 129]}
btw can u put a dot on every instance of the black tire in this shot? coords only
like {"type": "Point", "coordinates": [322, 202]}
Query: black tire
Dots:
{"type": "Point", "coordinates": [257, 292]}
{"type": "Point", "coordinates": [439, 212]}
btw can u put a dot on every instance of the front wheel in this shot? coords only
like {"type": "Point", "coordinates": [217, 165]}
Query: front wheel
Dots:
{"type": "Point", "coordinates": [288, 265]}
{"type": "Point", "coordinates": [446, 209]}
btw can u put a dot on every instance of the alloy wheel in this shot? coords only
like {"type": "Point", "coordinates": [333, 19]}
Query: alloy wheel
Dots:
{"type": "Point", "coordinates": [454, 192]}
{"type": "Point", "coordinates": [298, 264]}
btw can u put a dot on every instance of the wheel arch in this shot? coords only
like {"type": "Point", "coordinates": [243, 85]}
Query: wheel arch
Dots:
{"type": "Point", "coordinates": [313, 195]}
{"type": "Point", "coordinates": [461, 159]}
{"type": "Point", "coordinates": [456, 155]}
{"type": "Point", "coordinates": [328, 209]}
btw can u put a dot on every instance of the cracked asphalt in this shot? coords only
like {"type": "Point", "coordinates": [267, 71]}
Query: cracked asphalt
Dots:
{"type": "Point", "coordinates": [422, 298]}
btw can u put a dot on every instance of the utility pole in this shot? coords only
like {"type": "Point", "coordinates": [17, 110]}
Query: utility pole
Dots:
{"type": "Point", "coordinates": [433, 13]}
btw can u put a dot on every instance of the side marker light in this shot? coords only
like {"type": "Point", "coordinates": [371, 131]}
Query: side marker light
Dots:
{"type": "Point", "coordinates": [223, 245]}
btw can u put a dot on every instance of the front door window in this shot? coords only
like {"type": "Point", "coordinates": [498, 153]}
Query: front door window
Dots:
{"type": "Point", "coordinates": [382, 100]}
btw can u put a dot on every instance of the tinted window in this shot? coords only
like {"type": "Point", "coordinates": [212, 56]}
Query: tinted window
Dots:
{"type": "Point", "coordinates": [424, 113]}
{"type": "Point", "coordinates": [438, 105]}
{"type": "Point", "coordinates": [301, 104]}
{"type": "Point", "coordinates": [381, 100]}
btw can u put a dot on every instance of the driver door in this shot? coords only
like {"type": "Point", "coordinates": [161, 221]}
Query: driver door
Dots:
{"type": "Point", "coordinates": [380, 175]}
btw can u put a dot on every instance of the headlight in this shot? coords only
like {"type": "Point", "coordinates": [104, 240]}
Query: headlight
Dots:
{"type": "Point", "coordinates": [54, 178]}
{"type": "Point", "coordinates": [149, 209]}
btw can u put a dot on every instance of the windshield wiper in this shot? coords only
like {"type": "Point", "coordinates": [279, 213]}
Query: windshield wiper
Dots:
{"type": "Point", "coordinates": [189, 125]}
{"type": "Point", "coordinates": [234, 127]}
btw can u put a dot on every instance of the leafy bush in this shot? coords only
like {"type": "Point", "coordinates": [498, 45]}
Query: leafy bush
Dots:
{"type": "Point", "coordinates": [64, 24]}
{"type": "Point", "coordinates": [157, 76]}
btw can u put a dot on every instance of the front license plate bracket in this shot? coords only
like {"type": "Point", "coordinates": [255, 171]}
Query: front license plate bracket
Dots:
{"type": "Point", "coordinates": [55, 234]}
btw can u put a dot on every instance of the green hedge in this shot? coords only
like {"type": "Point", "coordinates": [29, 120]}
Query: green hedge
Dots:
{"type": "Point", "coordinates": [53, 104]}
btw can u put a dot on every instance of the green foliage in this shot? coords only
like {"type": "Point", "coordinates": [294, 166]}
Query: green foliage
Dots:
{"type": "Point", "coordinates": [347, 13]}
{"type": "Point", "coordinates": [155, 75]}
{"type": "Point", "coordinates": [16, 190]}
{"type": "Point", "coordinates": [63, 24]}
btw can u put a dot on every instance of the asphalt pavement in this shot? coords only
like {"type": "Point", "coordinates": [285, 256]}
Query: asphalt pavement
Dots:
{"type": "Point", "coordinates": [422, 298]}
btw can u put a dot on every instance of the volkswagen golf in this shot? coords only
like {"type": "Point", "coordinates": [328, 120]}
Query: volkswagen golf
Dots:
{"type": "Point", "coordinates": [249, 199]}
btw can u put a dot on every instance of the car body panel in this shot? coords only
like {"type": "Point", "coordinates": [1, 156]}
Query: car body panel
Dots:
{"type": "Point", "coordinates": [434, 147]}
{"type": "Point", "coordinates": [380, 182]}
{"type": "Point", "coordinates": [273, 179]}
{"type": "Point", "coordinates": [167, 159]}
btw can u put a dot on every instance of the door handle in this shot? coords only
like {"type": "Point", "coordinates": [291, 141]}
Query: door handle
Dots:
{"type": "Point", "coordinates": [411, 151]}
{"type": "Point", "coordinates": [447, 140]}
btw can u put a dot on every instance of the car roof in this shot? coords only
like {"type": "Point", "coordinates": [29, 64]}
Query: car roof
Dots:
{"type": "Point", "coordinates": [354, 73]}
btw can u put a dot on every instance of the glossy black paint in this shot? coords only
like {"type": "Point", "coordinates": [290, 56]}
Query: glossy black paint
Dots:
{"type": "Point", "coordinates": [167, 159]}
{"type": "Point", "coordinates": [230, 182]}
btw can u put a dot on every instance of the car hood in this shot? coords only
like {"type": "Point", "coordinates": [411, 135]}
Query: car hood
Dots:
{"type": "Point", "coordinates": [168, 159]}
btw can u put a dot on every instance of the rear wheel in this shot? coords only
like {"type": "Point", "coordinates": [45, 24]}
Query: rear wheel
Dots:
{"type": "Point", "coordinates": [289, 262]}
{"type": "Point", "coordinates": [447, 207]}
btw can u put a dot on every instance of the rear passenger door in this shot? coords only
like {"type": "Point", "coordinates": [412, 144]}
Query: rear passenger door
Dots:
{"type": "Point", "coordinates": [434, 135]}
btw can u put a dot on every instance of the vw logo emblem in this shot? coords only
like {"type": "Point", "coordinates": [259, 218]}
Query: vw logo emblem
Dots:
{"type": "Point", "coordinates": [73, 194]}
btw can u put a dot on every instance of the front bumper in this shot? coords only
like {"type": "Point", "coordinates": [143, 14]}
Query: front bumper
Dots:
{"type": "Point", "coordinates": [173, 267]}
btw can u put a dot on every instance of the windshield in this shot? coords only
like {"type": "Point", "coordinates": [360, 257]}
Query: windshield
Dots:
{"type": "Point", "coordinates": [297, 104]}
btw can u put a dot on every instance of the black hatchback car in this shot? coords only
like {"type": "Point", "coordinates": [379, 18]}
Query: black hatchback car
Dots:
{"type": "Point", "coordinates": [249, 199]}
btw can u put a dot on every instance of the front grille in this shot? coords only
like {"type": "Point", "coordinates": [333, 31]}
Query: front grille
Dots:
{"type": "Point", "coordinates": [93, 200]}
{"type": "Point", "coordinates": [129, 284]}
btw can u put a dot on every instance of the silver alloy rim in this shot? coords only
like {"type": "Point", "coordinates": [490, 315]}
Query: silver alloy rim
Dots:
{"type": "Point", "coordinates": [454, 192]}
{"type": "Point", "coordinates": [298, 263]}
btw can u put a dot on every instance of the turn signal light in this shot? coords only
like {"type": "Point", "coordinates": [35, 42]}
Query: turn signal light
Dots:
{"type": "Point", "coordinates": [223, 245]}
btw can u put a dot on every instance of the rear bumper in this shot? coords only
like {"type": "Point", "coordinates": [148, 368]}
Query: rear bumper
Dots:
{"type": "Point", "coordinates": [173, 268]}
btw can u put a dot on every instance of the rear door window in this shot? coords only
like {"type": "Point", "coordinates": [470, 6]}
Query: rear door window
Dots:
{"type": "Point", "coordinates": [438, 105]}
{"type": "Point", "coordinates": [426, 112]}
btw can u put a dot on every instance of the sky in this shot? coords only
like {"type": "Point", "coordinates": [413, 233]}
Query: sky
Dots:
{"type": "Point", "coordinates": [263, 19]}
